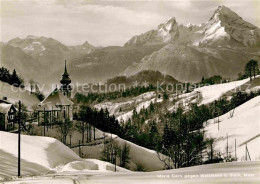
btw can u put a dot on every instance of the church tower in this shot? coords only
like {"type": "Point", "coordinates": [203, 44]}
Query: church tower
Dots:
{"type": "Point", "coordinates": [65, 83]}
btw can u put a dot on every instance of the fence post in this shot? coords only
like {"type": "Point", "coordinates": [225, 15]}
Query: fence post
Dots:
{"type": "Point", "coordinates": [44, 122]}
{"type": "Point", "coordinates": [227, 144]}
{"type": "Point", "coordinates": [90, 134]}
{"type": "Point", "coordinates": [87, 133]}
{"type": "Point", "coordinates": [70, 140]}
{"type": "Point", "coordinates": [246, 152]}
{"type": "Point", "coordinates": [115, 160]}
{"type": "Point", "coordinates": [79, 149]}
{"type": "Point", "coordinates": [235, 149]}
{"type": "Point", "coordinates": [19, 140]}
{"type": "Point", "coordinates": [94, 133]}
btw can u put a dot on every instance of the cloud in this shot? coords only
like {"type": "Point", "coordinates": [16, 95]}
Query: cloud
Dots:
{"type": "Point", "coordinates": [74, 24]}
{"type": "Point", "coordinates": [105, 22]}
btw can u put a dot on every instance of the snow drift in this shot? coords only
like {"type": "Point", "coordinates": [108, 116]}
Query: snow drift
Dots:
{"type": "Point", "coordinates": [41, 155]}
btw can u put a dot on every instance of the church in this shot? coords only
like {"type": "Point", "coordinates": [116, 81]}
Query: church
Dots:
{"type": "Point", "coordinates": [57, 106]}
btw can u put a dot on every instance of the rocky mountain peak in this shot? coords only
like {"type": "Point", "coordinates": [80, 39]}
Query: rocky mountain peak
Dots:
{"type": "Point", "coordinates": [165, 32]}
{"type": "Point", "coordinates": [223, 13]}
{"type": "Point", "coordinates": [225, 27]}
{"type": "Point", "coordinates": [31, 37]}
{"type": "Point", "coordinates": [87, 44]}
{"type": "Point", "coordinates": [168, 25]}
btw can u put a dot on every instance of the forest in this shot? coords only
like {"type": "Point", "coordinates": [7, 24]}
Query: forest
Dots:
{"type": "Point", "coordinates": [11, 78]}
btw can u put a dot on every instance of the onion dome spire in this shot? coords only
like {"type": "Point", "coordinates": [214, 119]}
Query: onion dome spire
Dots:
{"type": "Point", "coordinates": [65, 82]}
{"type": "Point", "coordinates": [65, 77]}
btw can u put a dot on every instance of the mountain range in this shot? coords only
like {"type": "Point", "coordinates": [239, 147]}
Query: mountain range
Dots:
{"type": "Point", "coordinates": [221, 46]}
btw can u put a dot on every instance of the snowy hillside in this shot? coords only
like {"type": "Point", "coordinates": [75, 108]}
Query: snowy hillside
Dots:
{"type": "Point", "coordinates": [213, 92]}
{"type": "Point", "coordinates": [208, 94]}
{"type": "Point", "coordinates": [139, 155]}
{"type": "Point", "coordinates": [142, 156]}
{"type": "Point", "coordinates": [41, 155]}
{"type": "Point", "coordinates": [139, 102]}
{"type": "Point", "coordinates": [244, 127]}
{"type": "Point", "coordinates": [123, 110]}
{"type": "Point", "coordinates": [15, 94]}
{"type": "Point", "coordinates": [94, 149]}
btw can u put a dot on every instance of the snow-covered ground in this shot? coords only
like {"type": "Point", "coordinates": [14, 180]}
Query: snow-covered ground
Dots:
{"type": "Point", "coordinates": [142, 105]}
{"type": "Point", "coordinates": [139, 155]}
{"type": "Point", "coordinates": [208, 94]}
{"type": "Point", "coordinates": [139, 102]}
{"type": "Point", "coordinates": [213, 92]}
{"type": "Point", "coordinates": [235, 172]}
{"type": "Point", "coordinates": [47, 161]}
{"type": "Point", "coordinates": [42, 155]}
{"type": "Point", "coordinates": [243, 127]}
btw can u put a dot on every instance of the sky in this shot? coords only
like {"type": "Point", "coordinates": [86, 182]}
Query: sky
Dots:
{"type": "Point", "coordinates": [107, 22]}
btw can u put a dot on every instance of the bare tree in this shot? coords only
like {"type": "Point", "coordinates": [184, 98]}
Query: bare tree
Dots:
{"type": "Point", "coordinates": [32, 85]}
{"type": "Point", "coordinates": [65, 128]}
{"type": "Point", "coordinates": [81, 127]}
{"type": "Point", "coordinates": [169, 160]}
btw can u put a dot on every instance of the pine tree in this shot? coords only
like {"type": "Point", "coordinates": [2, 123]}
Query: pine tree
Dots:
{"type": "Point", "coordinates": [153, 135]}
{"type": "Point", "coordinates": [251, 68]}
{"type": "Point", "coordinates": [165, 96]}
{"type": "Point", "coordinates": [151, 108]}
{"type": "Point", "coordinates": [15, 79]}
{"type": "Point", "coordinates": [125, 158]}
{"type": "Point", "coordinates": [255, 67]}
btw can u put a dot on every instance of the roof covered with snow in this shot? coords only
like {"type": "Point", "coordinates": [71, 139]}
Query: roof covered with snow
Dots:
{"type": "Point", "coordinates": [55, 99]}
{"type": "Point", "coordinates": [4, 108]}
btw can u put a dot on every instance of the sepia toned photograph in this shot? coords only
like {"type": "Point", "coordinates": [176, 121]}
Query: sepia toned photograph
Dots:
{"type": "Point", "coordinates": [129, 91]}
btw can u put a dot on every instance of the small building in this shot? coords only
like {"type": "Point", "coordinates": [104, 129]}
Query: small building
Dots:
{"type": "Point", "coordinates": [57, 106]}
{"type": "Point", "coordinates": [7, 115]}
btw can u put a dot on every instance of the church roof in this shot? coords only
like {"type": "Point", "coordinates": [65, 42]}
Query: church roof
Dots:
{"type": "Point", "coordinates": [54, 100]}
